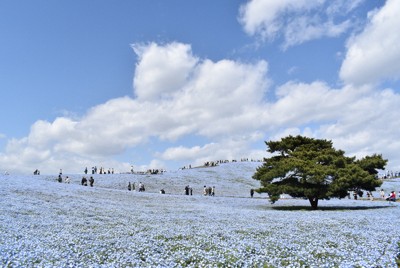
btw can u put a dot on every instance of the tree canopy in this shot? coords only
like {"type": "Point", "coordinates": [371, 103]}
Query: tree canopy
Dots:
{"type": "Point", "coordinates": [313, 169]}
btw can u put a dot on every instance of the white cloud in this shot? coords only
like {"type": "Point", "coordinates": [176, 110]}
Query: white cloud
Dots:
{"type": "Point", "coordinates": [44, 134]}
{"type": "Point", "coordinates": [162, 70]}
{"type": "Point", "coordinates": [263, 17]}
{"type": "Point", "coordinates": [303, 28]}
{"type": "Point", "coordinates": [374, 54]}
{"type": "Point", "coordinates": [222, 95]}
{"type": "Point", "coordinates": [295, 21]}
{"type": "Point", "coordinates": [184, 153]}
{"type": "Point", "coordinates": [368, 126]}
{"type": "Point", "coordinates": [223, 102]}
{"type": "Point", "coordinates": [301, 103]}
{"type": "Point", "coordinates": [177, 95]}
{"type": "Point", "coordinates": [342, 6]}
{"type": "Point", "coordinates": [292, 70]}
{"type": "Point", "coordinates": [359, 120]}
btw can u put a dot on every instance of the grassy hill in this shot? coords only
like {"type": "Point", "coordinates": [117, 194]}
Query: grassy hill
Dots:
{"type": "Point", "coordinates": [229, 179]}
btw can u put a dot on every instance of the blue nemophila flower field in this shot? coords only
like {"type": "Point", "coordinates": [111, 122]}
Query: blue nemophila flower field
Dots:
{"type": "Point", "coordinates": [44, 223]}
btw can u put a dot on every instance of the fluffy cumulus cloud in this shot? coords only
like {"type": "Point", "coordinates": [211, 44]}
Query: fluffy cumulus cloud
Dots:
{"type": "Point", "coordinates": [360, 120]}
{"type": "Point", "coordinates": [374, 54]}
{"type": "Point", "coordinates": [177, 95]}
{"type": "Point", "coordinates": [224, 101]}
{"type": "Point", "coordinates": [295, 21]}
{"type": "Point", "coordinates": [162, 70]}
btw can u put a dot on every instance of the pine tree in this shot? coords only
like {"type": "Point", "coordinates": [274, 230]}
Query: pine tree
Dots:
{"type": "Point", "coordinates": [313, 169]}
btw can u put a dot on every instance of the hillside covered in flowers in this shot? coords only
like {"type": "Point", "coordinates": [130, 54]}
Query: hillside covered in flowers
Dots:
{"type": "Point", "coordinates": [44, 223]}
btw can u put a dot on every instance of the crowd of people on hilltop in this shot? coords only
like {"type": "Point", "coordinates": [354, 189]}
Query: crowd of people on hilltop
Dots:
{"type": "Point", "coordinates": [211, 164]}
{"type": "Point", "coordinates": [149, 171]}
{"type": "Point", "coordinates": [217, 162]}
{"type": "Point", "coordinates": [99, 170]}
{"type": "Point", "coordinates": [391, 175]}
{"type": "Point", "coordinates": [155, 171]}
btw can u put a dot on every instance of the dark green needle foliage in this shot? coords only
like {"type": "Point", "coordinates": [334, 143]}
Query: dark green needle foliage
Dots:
{"type": "Point", "coordinates": [312, 169]}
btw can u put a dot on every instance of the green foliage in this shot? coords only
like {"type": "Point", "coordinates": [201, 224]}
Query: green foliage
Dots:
{"type": "Point", "coordinates": [311, 168]}
{"type": "Point", "coordinates": [372, 163]}
{"type": "Point", "coordinates": [398, 256]}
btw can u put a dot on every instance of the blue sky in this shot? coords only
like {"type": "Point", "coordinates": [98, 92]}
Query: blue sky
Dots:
{"type": "Point", "coordinates": [164, 84]}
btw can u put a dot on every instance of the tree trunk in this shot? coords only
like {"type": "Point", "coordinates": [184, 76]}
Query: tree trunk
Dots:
{"type": "Point", "coordinates": [313, 202]}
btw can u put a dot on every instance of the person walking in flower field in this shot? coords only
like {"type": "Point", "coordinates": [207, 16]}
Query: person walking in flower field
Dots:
{"type": "Point", "coordinates": [382, 193]}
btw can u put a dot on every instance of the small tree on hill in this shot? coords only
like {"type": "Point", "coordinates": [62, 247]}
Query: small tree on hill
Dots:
{"type": "Point", "coordinates": [311, 168]}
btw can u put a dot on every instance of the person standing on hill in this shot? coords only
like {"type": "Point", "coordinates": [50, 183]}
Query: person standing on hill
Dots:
{"type": "Point", "coordinates": [141, 187]}
{"type": "Point", "coordinates": [187, 190]}
{"type": "Point", "coordinates": [91, 181]}
{"type": "Point", "coordinates": [382, 193]}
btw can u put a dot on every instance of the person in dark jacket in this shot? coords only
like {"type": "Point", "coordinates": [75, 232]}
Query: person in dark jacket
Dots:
{"type": "Point", "coordinates": [91, 181]}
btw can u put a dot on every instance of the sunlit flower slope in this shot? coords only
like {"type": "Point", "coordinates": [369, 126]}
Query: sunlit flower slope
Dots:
{"type": "Point", "coordinates": [44, 223]}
